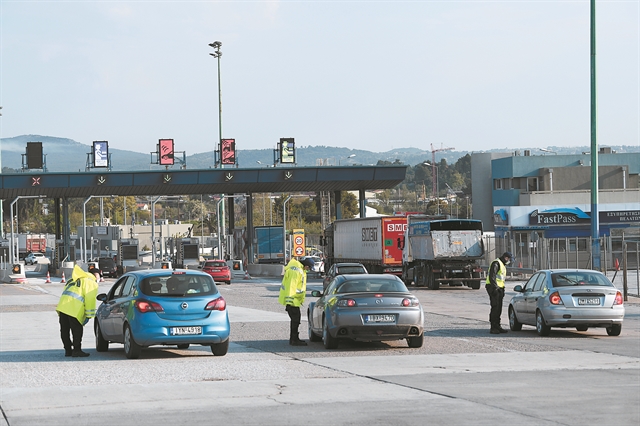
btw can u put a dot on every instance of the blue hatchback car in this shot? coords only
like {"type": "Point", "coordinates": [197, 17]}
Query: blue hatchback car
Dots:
{"type": "Point", "coordinates": [162, 307]}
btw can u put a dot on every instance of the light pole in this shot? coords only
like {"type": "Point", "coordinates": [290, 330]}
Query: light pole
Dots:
{"type": "Point", "coordinates": [436, 185]}
{"type": "Point", "coordinates": [284, 228]}
{"type": "Point", "coordinates": [216, 45]}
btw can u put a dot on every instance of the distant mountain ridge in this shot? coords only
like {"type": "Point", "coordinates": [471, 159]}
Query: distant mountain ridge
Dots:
{"type": "Point", "coordinates": [67, 155]}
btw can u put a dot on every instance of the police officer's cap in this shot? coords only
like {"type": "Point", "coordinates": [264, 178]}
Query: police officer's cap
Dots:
{"type": "Point", "coordinates": [307, 261]}
{"type": "Point", "coordinates": [509, 255]}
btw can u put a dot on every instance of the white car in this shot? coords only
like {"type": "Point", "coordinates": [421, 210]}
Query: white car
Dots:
{"type": "Point", "coordinates": [33, 258]}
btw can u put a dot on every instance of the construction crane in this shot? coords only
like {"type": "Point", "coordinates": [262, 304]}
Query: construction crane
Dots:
{"type": "Point", "coordinates": [434, 169]}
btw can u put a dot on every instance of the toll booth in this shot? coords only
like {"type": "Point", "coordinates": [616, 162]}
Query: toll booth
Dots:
{"type": "Point", "coordinates": [187, 252]}
{"type": "Point", "coordinates": [4, 251]}
{"type": "Point", "coordinates": [127, 255]}
{"type": "Point", "coordinates": [58, 254]}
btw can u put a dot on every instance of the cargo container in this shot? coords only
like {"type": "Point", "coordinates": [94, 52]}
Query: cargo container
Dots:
{"type": "Point", "coordinates": [373, 241]}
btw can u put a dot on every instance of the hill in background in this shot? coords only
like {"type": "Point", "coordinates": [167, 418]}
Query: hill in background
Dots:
{"type": "Point", "coordinates": [67, 155]}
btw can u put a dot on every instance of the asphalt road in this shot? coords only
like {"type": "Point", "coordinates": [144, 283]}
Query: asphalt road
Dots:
{"type": "Point", "coordinates": [462, 374]}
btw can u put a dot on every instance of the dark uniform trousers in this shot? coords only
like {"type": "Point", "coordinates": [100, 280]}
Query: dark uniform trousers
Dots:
{"type": "Point", "coordinates": [70, 324]}
{"type": "Point", "coordinates": [294, 314]}
{"type": "Point", "coordinates": [496, 295]}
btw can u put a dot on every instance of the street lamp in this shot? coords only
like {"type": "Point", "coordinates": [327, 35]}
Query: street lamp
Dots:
{"type": "Point", "coordinates": [435, 187]}
{"type": "Point", "coordinates": [346, 158]}
{"type": "Point", "coordinates": [12, 253]}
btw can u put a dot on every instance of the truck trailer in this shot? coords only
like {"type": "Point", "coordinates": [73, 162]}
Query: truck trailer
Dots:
{"type": "Point", "coordinates": [269, 244]}
{"type": "Point", "coordinates": [442, 252]}
{"type": "Point", "coordinates": [372, 241]}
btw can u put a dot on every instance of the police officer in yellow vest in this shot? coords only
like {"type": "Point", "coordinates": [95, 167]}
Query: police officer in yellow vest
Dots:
{"type": "Point", "coordinates": [76, 306]}
{"type": "Point", "coordinates": [495, 288]}
{"type": "Point", "coordinates": [292, 293]}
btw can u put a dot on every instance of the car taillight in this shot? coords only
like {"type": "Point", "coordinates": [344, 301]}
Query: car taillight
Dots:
{"type": "Point", "coordinates": [218, 304]}
{"type": "Point", "coordinates": [145, 306]}
{"type": "Point", "coordinates": [347, 303]}
{"type": "Point", "coordinates": [618, 300]}
{"type": "Point", "coordinates": [407, 301]}
{"type": "Point", "coordinates": [554, 298]}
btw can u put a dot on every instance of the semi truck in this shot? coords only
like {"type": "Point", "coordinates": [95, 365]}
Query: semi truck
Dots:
{"type": "Point", "coordinates": [371, 241]}
{"type": "Point", "coordinates": [269, 244]}
{"type": "Point", "coordinates": [448, 251]}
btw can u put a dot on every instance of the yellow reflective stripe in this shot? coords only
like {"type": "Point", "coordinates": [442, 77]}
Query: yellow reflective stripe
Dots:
{"type": "Point", "coordinates": [73, 295]}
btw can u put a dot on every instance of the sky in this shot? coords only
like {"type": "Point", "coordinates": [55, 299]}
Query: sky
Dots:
{"type": "Point", "coordinates": [373, 75]}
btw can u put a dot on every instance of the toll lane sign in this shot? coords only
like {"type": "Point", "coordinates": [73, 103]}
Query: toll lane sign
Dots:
{"type": "Point", "coordinates": [298, 242]}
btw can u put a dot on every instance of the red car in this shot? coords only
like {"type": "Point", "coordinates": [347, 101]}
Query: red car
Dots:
{"type": "Point", "coordinates": [218, 269]}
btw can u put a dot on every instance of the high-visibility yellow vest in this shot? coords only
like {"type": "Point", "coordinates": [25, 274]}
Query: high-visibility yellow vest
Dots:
{"type": "Point", "coordinates": [294, 284]}
{"type": "Point", "coordinates": [501, 275]}
{"type": "Point", "coordinates": [79, 296]}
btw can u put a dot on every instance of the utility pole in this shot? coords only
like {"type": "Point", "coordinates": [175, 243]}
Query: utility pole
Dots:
{"type": "Point", "coordinates": [434, 186]}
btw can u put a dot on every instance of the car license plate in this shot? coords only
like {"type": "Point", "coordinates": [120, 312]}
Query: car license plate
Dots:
{"type": "Point", "coordinates": [588, 301]}
{"type": "Point", "coordinates": [180, 331]}
{"type": "Point", "coordinates": [377, 319]}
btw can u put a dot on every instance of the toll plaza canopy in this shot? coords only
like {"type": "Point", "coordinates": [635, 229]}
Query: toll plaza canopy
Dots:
{"type": "Point", "coordinates": [200, 181]}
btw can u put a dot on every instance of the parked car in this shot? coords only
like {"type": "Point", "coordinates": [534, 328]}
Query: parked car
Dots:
{"type": "Point", "coordinates": [107, 267]}
{"type": "Point", "coordinates": [340, 269]}
{"type": "Point", "coordinates": [218, 269]}
{"type": "Point", "coordinates": [34, 257]}
{"type": "Point", "coordinates": [162, 307]}
{"type": "Point", "coordinates": [366, 307]}
{"type": "Point", "coordinates": [579, 298]}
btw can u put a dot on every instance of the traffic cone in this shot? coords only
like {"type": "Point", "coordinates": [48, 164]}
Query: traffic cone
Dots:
{"type": "Point", "coordinates": [48, 281]}
{"type": "Point", "coordinates": [63, 280]}
{"type": "Point", "coordinates": [617, 265]}
{"type": "Point", "coordinates": [520, 265]}
{"type": "Point", "coordinates": [246, 275]}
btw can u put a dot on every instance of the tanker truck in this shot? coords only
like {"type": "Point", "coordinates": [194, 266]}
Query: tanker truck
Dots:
{"type": "Point", "coordinates": [436, 252]}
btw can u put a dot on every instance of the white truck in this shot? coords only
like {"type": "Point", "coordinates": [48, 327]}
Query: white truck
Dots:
{"type": "Point", "coordinates": [442, 252]}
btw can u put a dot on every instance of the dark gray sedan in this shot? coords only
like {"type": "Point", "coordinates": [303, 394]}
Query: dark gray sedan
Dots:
{"type": "Point", "coordinates": [365, 307]}
{"type": "Point", "coordinates": [579, 298]}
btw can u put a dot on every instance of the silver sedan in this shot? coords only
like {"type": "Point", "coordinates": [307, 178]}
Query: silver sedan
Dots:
{"type": "Point", "coordinates": [365, 307]}
{"type": "Point", "coordinates": [579, 298]}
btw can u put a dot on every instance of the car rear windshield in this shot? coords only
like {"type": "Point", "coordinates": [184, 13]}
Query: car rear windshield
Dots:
{"type": "Point", "coordinates": [174, 285]}
{"type": "Point", "coordinates": [371, 285]}
{"type": "Point", "coordinates": [215, 265]}
{"type": "Point", "coordinates": [351, 270]}
{"type": "Point", "coordinates": [567, 279]}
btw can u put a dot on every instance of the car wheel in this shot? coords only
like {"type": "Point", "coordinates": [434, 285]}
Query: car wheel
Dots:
{"type": "Point", "coordinates": [514, 324]}
{"type": "Point", "coordinates": [131, 348]}
{"type": "Point", "coordinates": [228, 282]}
{"type": "Point", "coordinates": [102, 345]}
{"type": "Point", "coordinates": [220, 349]}
{"type": "Point", "coordinates": [183, 346]}
{"type": "Point", "coordinates": [582, 328]}
{"type": "Point", "coordinates": [541, 327]}
{"type": "Point", "coordinates": [329, 341]}
{"type": "Point", "coordinates": [313, 337]}
{"type": "Point", "coordinates": [415, 341]}
{"type": "Point", "coordinates": [614, 330]}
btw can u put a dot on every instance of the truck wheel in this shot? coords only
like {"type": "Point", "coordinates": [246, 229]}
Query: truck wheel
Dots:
{"type": "Point", "coordinates": [475, 285]}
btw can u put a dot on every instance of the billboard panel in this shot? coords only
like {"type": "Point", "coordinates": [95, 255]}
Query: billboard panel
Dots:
{"type": "Point", "coordinates": [34, 155]}
{"type": "Point", "coordinates": [228, 151]}
{"type": "Point", "coordinates": [165, 152]}
{"type": "Point", "coordinates": [287, 150]}
{"type": "Point", "coordinates": [100, 154]}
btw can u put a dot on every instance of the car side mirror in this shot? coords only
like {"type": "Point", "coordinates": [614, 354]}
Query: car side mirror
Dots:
{"type": "Point", "coordinates": [518, 288]}
{"type": "Point", "coordinates": [316, 293]}
{"type": "Point", "coordinates": [102, 297]}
